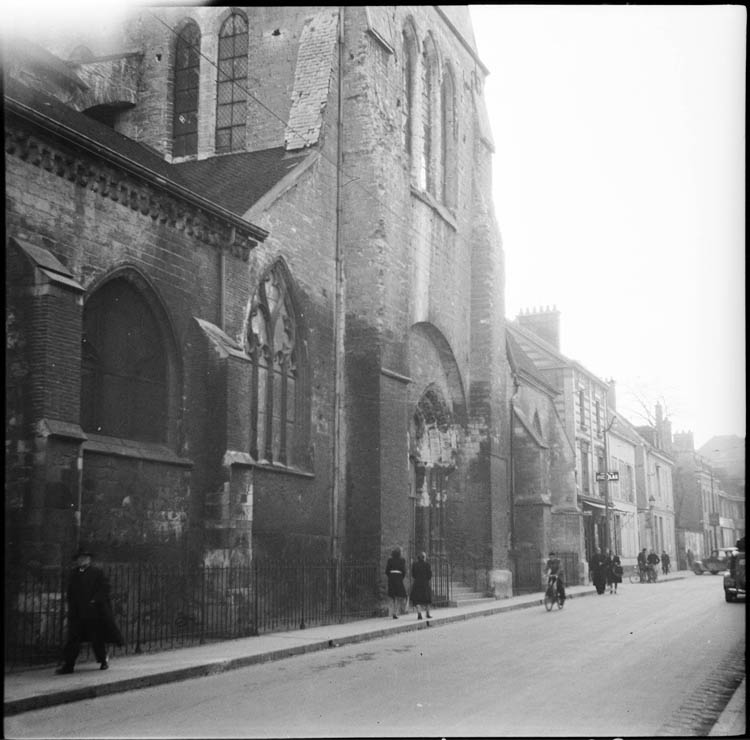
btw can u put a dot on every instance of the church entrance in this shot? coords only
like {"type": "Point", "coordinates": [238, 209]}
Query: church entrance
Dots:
{"type": "Point", "coordinates": [432, 454]}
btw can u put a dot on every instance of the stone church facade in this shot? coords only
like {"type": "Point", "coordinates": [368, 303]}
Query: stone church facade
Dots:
{"type": "Point", "coordinates": [255, 290]}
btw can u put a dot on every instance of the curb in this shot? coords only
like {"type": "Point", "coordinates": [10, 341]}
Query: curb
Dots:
{"type": "Point", "coordinates": [66, 696]}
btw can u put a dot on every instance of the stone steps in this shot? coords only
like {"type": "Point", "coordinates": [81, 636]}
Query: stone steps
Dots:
{"type": "Point", "coordinates": [464, 596]}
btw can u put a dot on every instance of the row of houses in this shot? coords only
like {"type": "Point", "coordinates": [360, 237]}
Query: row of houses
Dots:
{"type": "Point", "coordinates": [255, 308]}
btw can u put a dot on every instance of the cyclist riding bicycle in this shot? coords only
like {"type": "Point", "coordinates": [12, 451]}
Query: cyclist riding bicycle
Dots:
{"type": "Point", "coordinates": [554, 568]}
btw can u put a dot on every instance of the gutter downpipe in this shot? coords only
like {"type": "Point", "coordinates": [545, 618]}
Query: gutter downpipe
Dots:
{"type": "Point", "coordinates": [339, 315]}
{"type": "Point", "coordinates": [516, 387]}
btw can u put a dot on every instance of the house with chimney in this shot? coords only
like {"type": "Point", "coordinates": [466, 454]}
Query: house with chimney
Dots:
{"type": "Point", "coordinates": [582, 405]}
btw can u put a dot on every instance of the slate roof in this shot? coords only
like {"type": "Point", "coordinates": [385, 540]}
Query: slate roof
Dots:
{"type": "Point", "coordinates": [97, 132]}
{"type": "Point", "coordinates": [233, 181]}
{"type": "Point", "coordinates": [236, 181]}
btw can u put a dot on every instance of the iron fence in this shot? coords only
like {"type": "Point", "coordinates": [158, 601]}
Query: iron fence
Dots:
{"type": "Point", "coordinates": [441, 581]}
{"type": "Point", "coordinates": [160, 607]}
{"type": "Point", "coordinates": [527, 572]}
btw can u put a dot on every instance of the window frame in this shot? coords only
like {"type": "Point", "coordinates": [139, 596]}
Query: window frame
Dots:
{"type": "Point", "coordinates": [179, 150]}
{"type": "Point", "coordinates": [131, 283]}
{"type": "Point", "coordinates": [278, 431]}
{"type": "Point", "coordinates": [236, 107]}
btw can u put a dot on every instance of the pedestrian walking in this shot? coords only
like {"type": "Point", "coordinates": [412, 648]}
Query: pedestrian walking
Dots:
{"type": "Point", "coordinates": [615, 573]}
{"type": "Point", "coordinates": [642, 565]}
{"type": "Point", "coordinates": [421, 588]}
{"type": "Point", "coordinates": [608, 570]}
{"type": "Point", "coordinates": [665, 561]}
{"type": "Point", "coordinates": [598, 570]}
{"type": "Point", "coordinates": [652, 561]}
{"type": "Point", "coordinates": [90, 617]}
{"type": "Point", "coordinates": [395, 570]}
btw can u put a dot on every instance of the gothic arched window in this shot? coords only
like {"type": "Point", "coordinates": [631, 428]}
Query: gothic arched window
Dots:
{"type": "Point", "coordinates": [186, 89]}
{"type": "Point", "coordinates": [231, 92]}
{"type": "Point", "coordinates": [272, 345]}
{"type": "Point", "coordinates": [430, 153]}
{"type": "Point", "coordinates": [449, 139]}
{"type": "Point", "coordinates": [409, 88]}
{"type": "Point", "coordinates": [124, 358]}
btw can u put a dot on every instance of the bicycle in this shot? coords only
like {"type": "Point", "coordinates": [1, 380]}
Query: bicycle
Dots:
{"type": "Point", "coordinates": [638, 576]}
{"type": "Point", "coordinates": [552, 595]}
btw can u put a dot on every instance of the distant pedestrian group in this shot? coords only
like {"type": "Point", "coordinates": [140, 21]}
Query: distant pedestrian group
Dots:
{"type": "Point", "coordinates": [605, 571]}
{"type": "Point", "coordinates": [420, 594]}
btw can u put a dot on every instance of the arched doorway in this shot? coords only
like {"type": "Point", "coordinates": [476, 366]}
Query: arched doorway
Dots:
{"type": "Point", "coordinates": [432, 459]}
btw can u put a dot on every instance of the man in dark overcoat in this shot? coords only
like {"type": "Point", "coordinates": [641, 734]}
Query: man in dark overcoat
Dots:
{"type": "Point", "coordinates": [598, 570]}
{"type": "Point", "coordinates": [90, 617]}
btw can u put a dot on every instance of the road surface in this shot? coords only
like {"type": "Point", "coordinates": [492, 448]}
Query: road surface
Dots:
{"type": "Point", "coordinates": [652, 660]}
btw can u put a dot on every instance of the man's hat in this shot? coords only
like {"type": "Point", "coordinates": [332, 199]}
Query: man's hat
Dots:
{"type": "Point", "coordinates": [83, 550]}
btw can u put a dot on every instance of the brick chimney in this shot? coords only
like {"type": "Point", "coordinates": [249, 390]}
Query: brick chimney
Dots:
{"type": "Point", "coordinates": [612, 395]}
{"type": "Point", "coordinates": [683, 442]}
{"type": "Point", "coordinates": [544, 322]}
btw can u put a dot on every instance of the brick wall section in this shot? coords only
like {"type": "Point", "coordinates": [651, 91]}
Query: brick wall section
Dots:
{"type": "Point", "coordinates": [93, 236]}
{"type": "Point", "coordinates": [312, 78]}
{"type": "Point", "coordinates": [407, 260]}
{"type": "Point", "coordinates": [55, 357]}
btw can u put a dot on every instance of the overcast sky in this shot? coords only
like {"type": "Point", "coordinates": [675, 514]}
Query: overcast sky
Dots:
{"type": "Point", "coordinates": [619, 189]}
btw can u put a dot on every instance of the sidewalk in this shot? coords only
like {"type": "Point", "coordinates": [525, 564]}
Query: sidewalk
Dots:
{"type": "Point", "coordinates": [36, 689]}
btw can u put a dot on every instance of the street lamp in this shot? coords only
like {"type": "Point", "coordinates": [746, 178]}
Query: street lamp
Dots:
{"type": "Point", "coordinates": [651, 504]}
{"type": "Point", "coordinates": [606, 484]}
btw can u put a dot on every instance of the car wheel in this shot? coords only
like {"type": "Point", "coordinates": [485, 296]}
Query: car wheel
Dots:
{"type": "Point", "coordinates": [728, 596]}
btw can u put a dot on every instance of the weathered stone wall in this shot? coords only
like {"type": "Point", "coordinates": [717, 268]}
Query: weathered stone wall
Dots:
{"type": "Point", "coordinates": [408, 259]}
{"type": "Point", "coordinates": [94, 235]}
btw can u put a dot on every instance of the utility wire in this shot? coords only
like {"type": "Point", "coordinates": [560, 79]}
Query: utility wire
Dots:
{"type": "Point", "coordinates": [417, 244]}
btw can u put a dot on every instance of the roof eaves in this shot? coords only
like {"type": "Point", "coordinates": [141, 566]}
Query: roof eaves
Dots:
{"type": "Point", "coordinates": [102, 150]}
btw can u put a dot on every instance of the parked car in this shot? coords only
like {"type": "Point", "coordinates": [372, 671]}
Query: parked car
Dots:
{"type": "Point", "coordinates": [716, 562]}
{"type": "Point", "coordinates": [734, 580]}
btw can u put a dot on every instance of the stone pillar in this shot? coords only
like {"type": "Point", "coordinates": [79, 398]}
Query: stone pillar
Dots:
{"type": "Point", "coordinates": [47, 304]}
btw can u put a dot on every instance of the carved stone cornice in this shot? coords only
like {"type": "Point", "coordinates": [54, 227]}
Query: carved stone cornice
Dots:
{"type": "Point", "coordinates": [134, 187]}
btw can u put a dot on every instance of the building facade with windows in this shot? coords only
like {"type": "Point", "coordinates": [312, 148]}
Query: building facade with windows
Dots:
{"type": "Point", "coordinates": [545, 514]}
{"type": "Point", "coordinates": [583, 407]}
{"type": "Point", "coordinates": [708, 517]}
{"type": "Point", "coordinates": [256, 289]}
{"type": "Point", "coordinates": [655, 487]}
{"type": "Point", "coordinates": [623, 443]}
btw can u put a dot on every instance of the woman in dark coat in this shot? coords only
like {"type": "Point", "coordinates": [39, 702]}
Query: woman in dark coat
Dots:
{"type": "Point", "coordinates": [395, 569]}
{"type": "Point", "coordinates": [615, 574]}
{"type": "Point", "coordinates": [598, 570]}
{"type": "Point", "coordinates": [421, 590]}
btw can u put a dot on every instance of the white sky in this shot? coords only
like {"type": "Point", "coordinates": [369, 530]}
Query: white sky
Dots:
{"type": "Point", "coordinates": [619, 189]}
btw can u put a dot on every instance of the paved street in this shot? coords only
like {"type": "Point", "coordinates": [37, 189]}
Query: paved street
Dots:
{"type": "Point", "coordinates": [653, 660]}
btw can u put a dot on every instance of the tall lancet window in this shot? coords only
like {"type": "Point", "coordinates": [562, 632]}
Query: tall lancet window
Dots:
{"type": "Point", "coordinates": [186, 88]}
{"type": "Point", "coordinates": [231, 93]}
{"type": "Point", "coordinates": [449, 139]}
{"type": "Point", "coordinates": [272, 347]}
